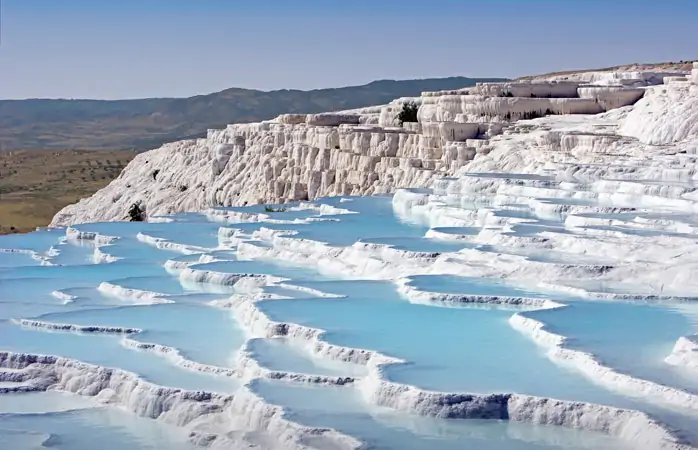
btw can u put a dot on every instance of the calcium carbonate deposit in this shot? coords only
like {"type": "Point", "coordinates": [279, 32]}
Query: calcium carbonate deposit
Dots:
{"type": "Point", "coordinates": [516, 270]}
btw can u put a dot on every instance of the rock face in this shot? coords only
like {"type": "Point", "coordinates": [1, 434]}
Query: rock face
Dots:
{"type": "Point", "coordinates": [365, 151]}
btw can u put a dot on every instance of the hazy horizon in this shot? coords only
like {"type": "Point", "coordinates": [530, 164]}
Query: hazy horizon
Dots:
{"type": "Point", "coordinates": [238, 87]}
{"type": "Point", "coordinates": [156, 48]}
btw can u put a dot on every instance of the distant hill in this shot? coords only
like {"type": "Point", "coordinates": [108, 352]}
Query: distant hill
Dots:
{"type": "Point", "coordinates": [146, 123]}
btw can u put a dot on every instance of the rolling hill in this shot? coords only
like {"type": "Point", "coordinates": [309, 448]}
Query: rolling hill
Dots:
{"type": "Point", "coordinates": [147, 123]}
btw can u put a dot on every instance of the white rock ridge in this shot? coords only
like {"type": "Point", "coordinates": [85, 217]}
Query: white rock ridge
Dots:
{"type": "Point", "coordinates": [365, 151]}
{"type": "Point", "coordinates": [631, 426]}
{"type": "Point", "coordinates": [685, 353]}
{"type": "Point", "coordinates": [213, 420]}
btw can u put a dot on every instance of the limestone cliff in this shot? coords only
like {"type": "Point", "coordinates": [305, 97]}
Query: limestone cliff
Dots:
{"type": "Point", "coordinates": [365, 151]}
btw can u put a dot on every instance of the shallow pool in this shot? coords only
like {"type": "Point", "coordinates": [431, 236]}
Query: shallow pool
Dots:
{"type": "Point", "coordinates": [190, 318]}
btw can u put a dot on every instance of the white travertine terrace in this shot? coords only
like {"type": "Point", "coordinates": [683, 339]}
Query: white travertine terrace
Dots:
{"type": "Point", "coordinates": [623, 78]}
{"type": "Point", "coordinates": [365, 151]}
{"type": "Point", "coordinates": [612, 97]}
{"type": "Point", "coordinates": [621, 142]}
{"type": "Point", "coordinates": [480, 108]}
{"type": "Point", "coordinates": [668, 80]}
{"type": "Point", "coordinates": [668, 115]}
{"type": "Point", "coordinates": [555, 89]}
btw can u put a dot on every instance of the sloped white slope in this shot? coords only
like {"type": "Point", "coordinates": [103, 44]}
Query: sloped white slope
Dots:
{"type": "Point", "coordinates": [665, 115]}
{"type": "Point", "coordinates": [362, 152]}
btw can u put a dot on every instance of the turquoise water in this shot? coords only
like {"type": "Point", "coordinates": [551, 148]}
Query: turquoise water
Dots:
{"type": "Point", "coordinates": [129, 249]}
{"type": "Point", "coordinates": [16, 259]}
{"type": "Point", "coordinates": [90, 273]}
{"type": "Point", "coordinates": [468, 349]}
{"type": "Point", "coordinates": [451, 284]}
{"type": "Point", "coordinates": [281, 355]}
{"type": "Point", "coordinates": [165, 284]}
{"type": "Point", "coordinates": [218, 336]}
{"type": "Point", "coordinates": [344, 409]}
{"type": "Point", "coordinates": [74, 253]}
{"type": "Point", "coordinates": [39, 241]}
{"type": "Point", "coordinates": [36, 289]}
{"type": "Point", "coordinates": [373, 316]}
{"type": "Point", "coordinates": [26, 428]}
{"type": "Point", "coordinates": [374, 216]}
{"type": "Point", "coordinates": [106, 350]}
{"type": "Point", "coordinates": [618, 335]}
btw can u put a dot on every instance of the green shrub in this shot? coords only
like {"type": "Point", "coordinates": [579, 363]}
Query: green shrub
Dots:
{"type": "Point", "coordinates": [271, 209]}
{"type": "Point", "coordinates": [408, 113]}
{"type": "Point", "coordinates": [136, 213]}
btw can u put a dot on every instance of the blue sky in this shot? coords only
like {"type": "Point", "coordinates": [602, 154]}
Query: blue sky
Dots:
{"type": "Point", "coordinates": [153, 48]}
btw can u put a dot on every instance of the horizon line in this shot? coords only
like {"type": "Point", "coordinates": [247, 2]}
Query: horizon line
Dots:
{"type": "Point", "coordinates": [253, 90]}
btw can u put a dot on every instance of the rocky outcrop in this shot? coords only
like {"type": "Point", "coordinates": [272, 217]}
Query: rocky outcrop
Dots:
{"type": "Point", "coordinates": [358, 152]}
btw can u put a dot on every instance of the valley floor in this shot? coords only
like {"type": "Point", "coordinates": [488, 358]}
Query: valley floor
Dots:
{"type": "Point", "coordinates": [35, 184]}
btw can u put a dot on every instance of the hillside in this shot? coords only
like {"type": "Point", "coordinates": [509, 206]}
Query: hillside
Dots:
{"type": "Point", "coordinates": [147, 123]}
{"type": "Point", "coordinates": [34, 184]}
{"type": "Point", "coordinates": [365, 151]}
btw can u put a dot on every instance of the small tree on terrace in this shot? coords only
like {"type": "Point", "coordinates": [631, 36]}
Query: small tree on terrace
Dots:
{"type": "Point", "coordinates": [136, 213]}
{"type": "Point", "coordinates": [408, 113]}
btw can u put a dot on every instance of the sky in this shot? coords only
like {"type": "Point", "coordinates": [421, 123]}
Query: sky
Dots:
{"type": "Point", "coordinates": [105, 49]}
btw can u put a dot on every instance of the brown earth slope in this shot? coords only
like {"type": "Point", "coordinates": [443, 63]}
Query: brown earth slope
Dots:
{"type": "Point", "coordinates": [35, 184]}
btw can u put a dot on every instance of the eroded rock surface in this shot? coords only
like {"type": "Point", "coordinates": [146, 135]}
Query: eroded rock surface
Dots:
{"type": "Point", "coordinates": [366, 151]}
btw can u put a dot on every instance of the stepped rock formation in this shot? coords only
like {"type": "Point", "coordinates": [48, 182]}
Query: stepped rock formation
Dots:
{"type": "Point", "coordinates": [365, 151]}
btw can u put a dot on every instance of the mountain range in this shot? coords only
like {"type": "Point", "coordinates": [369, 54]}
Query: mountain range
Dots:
{"type": "Point", "coordinates": [143, 124]}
